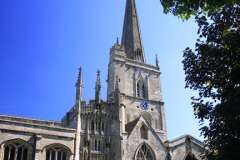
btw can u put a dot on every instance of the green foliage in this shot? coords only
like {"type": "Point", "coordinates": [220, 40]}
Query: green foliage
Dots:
{"type": "Point", "coordinates": [214, 70]}
{"type": "Point", "coordinates": [184, 9]}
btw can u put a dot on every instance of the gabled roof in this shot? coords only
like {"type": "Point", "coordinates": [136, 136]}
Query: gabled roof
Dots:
{"type": "Point", "coordinates": [131, 125]}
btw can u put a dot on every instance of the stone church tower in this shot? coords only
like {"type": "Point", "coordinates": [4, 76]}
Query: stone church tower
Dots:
{"type": "Point", "coordinates": [130, 125]}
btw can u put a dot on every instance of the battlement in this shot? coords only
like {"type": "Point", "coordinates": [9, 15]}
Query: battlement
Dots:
{"type": "Point", "coordinates": [86, 109]}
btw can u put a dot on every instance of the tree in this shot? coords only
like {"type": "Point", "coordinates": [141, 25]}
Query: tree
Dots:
{"type": "Point", "coordinates": [187, 8]}
{"type": "Point", "coordinates": [214, 70]}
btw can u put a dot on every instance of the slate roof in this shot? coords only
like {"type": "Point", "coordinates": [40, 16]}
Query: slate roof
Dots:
{"type": "Point", "coordinates": [129, 126]}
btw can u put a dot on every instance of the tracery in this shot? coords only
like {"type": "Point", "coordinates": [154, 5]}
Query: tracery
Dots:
{"type": "Point", "coordinates": [55, 153]}
{"type": "Point", "coordinates": [15, 151]}
{"type": "Point", "coordinates": [144, 153]}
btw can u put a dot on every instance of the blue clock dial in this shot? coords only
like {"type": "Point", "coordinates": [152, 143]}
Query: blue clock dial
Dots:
{"type": "Point", "coordinates": [144, 106]}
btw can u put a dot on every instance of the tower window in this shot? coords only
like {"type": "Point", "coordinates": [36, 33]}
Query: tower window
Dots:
{"type": "Point", "coordinates": [138, 54]}
{"type": "Point", "coordinates": [143, 91]}
{"type": "Point", "coordinates": [138, 90]}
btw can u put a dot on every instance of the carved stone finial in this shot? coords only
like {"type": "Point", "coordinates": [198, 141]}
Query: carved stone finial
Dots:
{"type": "Point", "coordinates": [98, 72]}
{"type": "Point", "coordinates": [117, 40]}
{"type": "Point", "coordinates": [157, 61]}
{"type": "Point", "coordinates": [79, 81]}
{"type": "Point", "coordinates": [98, 88]}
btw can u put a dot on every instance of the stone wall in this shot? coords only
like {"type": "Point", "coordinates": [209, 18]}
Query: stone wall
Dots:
{"type": "Point", "coordinates": [37, 137]}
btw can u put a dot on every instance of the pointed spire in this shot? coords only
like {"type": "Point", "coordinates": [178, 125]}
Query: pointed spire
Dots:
{"type": "Point", "coordinates": [131, 36]}
{"type": "Point", "coordinates": [157, 61]}
{"type": "Point", "coordinates": [98, 88]}
{"type": "Point", "coordinates": [79, 81]}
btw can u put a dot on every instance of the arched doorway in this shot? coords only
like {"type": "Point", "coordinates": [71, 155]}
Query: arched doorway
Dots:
{"type": "Point", "coordinates": [144, 153]}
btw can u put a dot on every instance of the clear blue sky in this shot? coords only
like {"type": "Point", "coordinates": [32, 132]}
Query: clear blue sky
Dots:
{"type": "Point", "coordinates": [43, 43]}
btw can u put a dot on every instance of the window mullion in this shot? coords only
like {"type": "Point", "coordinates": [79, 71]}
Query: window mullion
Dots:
{"type": "Point", "coordinates": [16, 153]}
{"type": "Point", "coordinates": [22, 153]}
{"type": "Point", "coordinates": [10, 147]}
{"type": "Point", "coordinates": [50, 157]}
{"type": "Point", "coordinates": [56, 154]}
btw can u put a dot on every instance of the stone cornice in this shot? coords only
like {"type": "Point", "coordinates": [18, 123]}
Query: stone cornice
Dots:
{"type": "Point", "coordinates": [144, 99]}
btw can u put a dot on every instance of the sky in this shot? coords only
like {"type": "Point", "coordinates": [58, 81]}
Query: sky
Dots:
{"type": "Point", "coordinates": [43, 43]}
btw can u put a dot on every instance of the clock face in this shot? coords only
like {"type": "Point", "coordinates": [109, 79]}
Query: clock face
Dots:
{"type": "Point", "coordinates": [144, 106]}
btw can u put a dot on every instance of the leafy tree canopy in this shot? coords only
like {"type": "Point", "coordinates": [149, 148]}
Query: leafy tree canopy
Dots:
{"type": "Point", "coordinates": [186, 8]}
{"type": "Point", "coordinates": [214, 70]}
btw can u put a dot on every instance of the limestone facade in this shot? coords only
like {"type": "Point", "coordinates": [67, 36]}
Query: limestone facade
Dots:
{"type": "Point", "coordinates": [130, 125]}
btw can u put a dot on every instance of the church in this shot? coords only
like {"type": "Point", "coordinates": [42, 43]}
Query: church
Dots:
{"type": "Point", "coordinates": [129, 125]}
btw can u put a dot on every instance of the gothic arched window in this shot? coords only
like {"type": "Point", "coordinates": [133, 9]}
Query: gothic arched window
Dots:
{"type": "Point", "coordinates": [95, 146]}
{"type": "Point", "coordinates": [102, 126]}
{"type": "Point", "coordinates": [92, 126]}
{"type": "Point", "coordinates": [15, 151]}
{"type": "Point", "coordinates": [55, 153]}
{"type": "Point", "coordinates": [99, 128]}
{"type": "Point", "coordinates": [138, 54]}
{"type": "Point", "coordinates": [138, 92]}
{"type": "Point", "coordinates": [143, 91]}
{"type": "Point", "coordinates": [144, 153]}
{"type": "Point", "coordinates": [143, 131]}
{"type": "Point", "coordinates": [99, 144]}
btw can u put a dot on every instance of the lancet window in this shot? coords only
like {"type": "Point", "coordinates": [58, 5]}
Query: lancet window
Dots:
{"type": "Point", "coordinates": [15, 151]}
{"type": "Point", "coordinates": [102, 126]}
{"type": "Point", "coordinates": [92, 126]}
{"type": "Point", "coordinates": [144, 134]}
{"type": "Point", "coordinates": [95, 145]}
{"type": "Point", "coordinates": [55, 153]}
{"type": "Point", "coordinates": [99, 144]}
{"type": "Point", "coordinates": [141, 89]}
{"type": "Point", "coordinates": [138, 55]}
{"type": "Point", "coordinates": [144, 153]}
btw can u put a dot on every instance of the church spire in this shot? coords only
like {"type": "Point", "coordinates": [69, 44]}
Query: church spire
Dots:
{"type": "Point", "coordinates": [131, 36]}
